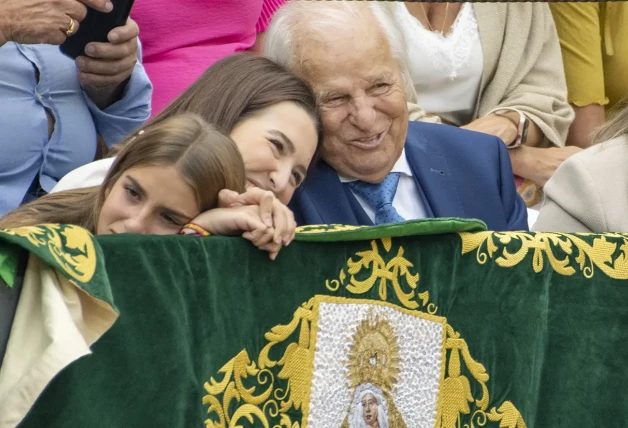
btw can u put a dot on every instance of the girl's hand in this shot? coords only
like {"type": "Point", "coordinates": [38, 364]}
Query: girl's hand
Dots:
{"type": "Point", "coordinates": [230, 221]}
{"type": "Point", "coordinates": [272, 212]}
{"type": "Point", "coordinates": [264, 221]}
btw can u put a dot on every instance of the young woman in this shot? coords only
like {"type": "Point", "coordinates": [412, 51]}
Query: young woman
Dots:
{"type": "Point", "coordinates": [165, 178]}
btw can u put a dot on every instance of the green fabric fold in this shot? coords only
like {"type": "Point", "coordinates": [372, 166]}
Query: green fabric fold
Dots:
{"type": "Point", "coordinates": [8, 264]}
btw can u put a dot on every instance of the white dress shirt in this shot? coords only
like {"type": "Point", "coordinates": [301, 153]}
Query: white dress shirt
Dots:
{"type": "Point", "coordinates": [407, 200]}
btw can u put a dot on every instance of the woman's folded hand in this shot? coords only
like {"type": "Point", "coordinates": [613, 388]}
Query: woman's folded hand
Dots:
{"type": "Point", "coordinates": [257, 214]}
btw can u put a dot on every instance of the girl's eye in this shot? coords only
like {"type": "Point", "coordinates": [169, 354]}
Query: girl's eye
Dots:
{"type": "Point", "coordinates": [170, 220]}
{"type": "Point", "coordinates": [133, 194]}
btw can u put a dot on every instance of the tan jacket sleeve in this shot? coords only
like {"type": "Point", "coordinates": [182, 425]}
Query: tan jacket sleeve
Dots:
{"type": "Point", "coordinates": [523, 66]}
{"type": "Point", "coordinates": [572, 200]}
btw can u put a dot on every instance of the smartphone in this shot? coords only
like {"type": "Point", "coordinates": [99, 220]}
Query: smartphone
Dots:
{"type": "Point", "coordinates": [95, 27]}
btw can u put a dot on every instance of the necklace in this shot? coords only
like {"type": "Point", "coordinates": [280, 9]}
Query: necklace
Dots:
{"type": "Point", "coordinates": [428, 20]}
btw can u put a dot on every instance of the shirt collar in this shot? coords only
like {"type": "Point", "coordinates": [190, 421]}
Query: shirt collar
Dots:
{"type": "Point", "coordinates": [401, 166]}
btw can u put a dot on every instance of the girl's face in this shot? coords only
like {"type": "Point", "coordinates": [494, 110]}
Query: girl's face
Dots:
{"type": "Point", "coordinates": [152, 200]}
{"type": "Point", "coordinates": [277, 145]}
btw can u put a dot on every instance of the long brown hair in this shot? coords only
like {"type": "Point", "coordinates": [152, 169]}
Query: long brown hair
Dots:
{"type": "Point", "coordinates": [616, 126]}
{"type": "Point", "coordinates": [207, 159]}
{"type": "Point", "coordinates": [239, 87]}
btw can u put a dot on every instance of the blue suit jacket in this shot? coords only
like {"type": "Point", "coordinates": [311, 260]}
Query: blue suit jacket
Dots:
{"type": "Point", "coordinates": [460, 173]}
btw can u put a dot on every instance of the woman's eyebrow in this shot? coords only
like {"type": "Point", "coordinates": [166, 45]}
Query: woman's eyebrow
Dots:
{"type": "Point", "coordinates": [284, 138]}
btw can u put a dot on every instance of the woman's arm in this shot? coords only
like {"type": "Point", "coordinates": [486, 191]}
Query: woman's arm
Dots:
{"type": "Point", "coordinates": [579, 32]}
{"type": "Point", "coordinates": [588, 119]}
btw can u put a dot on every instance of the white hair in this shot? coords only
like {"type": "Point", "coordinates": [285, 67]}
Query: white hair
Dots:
{"type": "Point", "coordinates": [356, 415]}
{"type": "Point", "coordinates": [301, 20]}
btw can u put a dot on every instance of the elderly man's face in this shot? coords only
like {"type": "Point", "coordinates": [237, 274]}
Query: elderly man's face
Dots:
{"type": "Point", "coordinates": [365, 116]}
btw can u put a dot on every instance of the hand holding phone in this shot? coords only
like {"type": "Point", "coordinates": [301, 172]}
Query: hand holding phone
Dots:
{"type": "Point", "coordinates": [96, 27]}
{"type": "Point", "coordinates": [105, 67]}
{"type": "Point", "coordinates": [43, 21]}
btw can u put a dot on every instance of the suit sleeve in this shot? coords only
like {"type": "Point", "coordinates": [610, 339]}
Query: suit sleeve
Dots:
{"type": "Point", "coordinates": [297, 203]}
{"type": "Point", "coordinates": [572, 203]}
{"type": "Point", "coordinates": [514, 208]}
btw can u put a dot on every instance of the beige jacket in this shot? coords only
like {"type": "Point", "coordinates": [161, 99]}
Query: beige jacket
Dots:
{"type": "Point", "coordinates": [588, 192]}
{"type": "Point", "coordinates": [523, 66]}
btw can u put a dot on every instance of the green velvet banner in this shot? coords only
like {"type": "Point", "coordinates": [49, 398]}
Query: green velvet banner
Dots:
{"type": "Point", "coordinates": [425, 324]}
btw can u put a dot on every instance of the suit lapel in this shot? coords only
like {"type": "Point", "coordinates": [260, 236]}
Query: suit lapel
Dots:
{"type": "Point", "coordinates": [433, 175]}
{"type": "Point", "coordinates": [322, 184]}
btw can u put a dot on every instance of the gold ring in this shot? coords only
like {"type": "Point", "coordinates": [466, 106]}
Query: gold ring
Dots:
{"type": "Point", "coordinates": [70, 29]}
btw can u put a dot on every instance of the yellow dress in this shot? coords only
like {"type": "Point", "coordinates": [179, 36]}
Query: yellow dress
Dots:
{"type": "Point", "coordinates": [594, 43]}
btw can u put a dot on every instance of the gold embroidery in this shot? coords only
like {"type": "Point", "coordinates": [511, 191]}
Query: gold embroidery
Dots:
{"type": "Point", "coordinates": [374, 355]}
{"type": "Point", "coordinates": [608, 252]}
{"type": "Point", "coordinates": [326, 228]}
{"type": "Point", "coordinates": [373, 361]}
{"type": "Point", "coordinates": [255, 390]}
{"type": "Point", "coordinates": [296, 365]}
{"type": "Point", "coordinates": [71, 246]}
{"type": "Point", "coordinates": [371, 266]}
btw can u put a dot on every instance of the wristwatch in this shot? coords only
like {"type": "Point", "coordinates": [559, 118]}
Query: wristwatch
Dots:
{"type": "Point", "coordinates": [522, 126]}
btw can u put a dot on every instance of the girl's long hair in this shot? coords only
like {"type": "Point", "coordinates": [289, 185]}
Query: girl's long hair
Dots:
{"type": "Point", "coordinates": [206, 158]}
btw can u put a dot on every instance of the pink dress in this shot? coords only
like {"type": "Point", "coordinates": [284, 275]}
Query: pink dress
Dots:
{"type": "Point", "coordinates": [181, 38]}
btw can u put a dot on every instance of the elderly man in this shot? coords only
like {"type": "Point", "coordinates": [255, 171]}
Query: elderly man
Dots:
{"type": "Point", "coordinates": [378, 168]}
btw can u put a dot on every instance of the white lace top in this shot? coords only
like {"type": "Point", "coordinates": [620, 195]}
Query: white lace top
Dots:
{"type": "Point", "coordinates": [446, 70]}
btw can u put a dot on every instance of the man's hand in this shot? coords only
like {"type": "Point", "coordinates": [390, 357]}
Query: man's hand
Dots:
{"type": "Point", "coordinates": [107, 66]}
{"type": "Point", "coordinates": [43, 21]}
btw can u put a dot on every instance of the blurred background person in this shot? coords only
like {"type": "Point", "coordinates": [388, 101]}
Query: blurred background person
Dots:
{"type": "Point", "coordinates": [493, 68]}
{"type": "Point", "coordinates": [180, 40]}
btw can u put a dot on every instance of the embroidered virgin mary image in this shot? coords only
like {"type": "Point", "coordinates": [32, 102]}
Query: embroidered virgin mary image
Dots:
{"type": "Point", "coordinates": [373, 370]}
{"type": "Point", "coordinates": [368, 409]}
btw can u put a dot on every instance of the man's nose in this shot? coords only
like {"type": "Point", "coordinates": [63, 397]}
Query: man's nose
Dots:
{"type": "Point", "coordinates": [363, 114]}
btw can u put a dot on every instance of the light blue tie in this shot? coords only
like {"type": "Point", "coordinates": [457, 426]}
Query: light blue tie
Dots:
{"type": "Point", "coordinates": [380, 197]}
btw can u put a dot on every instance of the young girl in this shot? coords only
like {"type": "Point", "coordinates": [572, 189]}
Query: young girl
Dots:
{"type": "Point", "coordinates": [168, 180]}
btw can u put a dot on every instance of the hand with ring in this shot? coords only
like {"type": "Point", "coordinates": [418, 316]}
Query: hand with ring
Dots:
{"type": "Point", "coordinates": [44, 21]}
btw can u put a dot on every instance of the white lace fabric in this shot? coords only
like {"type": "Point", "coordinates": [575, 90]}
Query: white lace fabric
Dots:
{"type": "Point", "coordinates": [446, 69]}
{"type": "Point", "coordinates": [449, 52]}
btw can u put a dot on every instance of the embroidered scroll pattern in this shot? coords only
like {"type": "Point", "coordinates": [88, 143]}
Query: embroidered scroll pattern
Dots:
{"type": "Point", "coordinates": [371, 269]}
{"type": "Point", "coordinates": [271, 390]}
{"type": "Point", "coordinates": [264, 400]}
{"type": "Point", "coordinates": [72, 247]}
{"type": "Point", "coordinates": [456, 396]}
{"type": "Point", "coordinates": [565, 253]}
